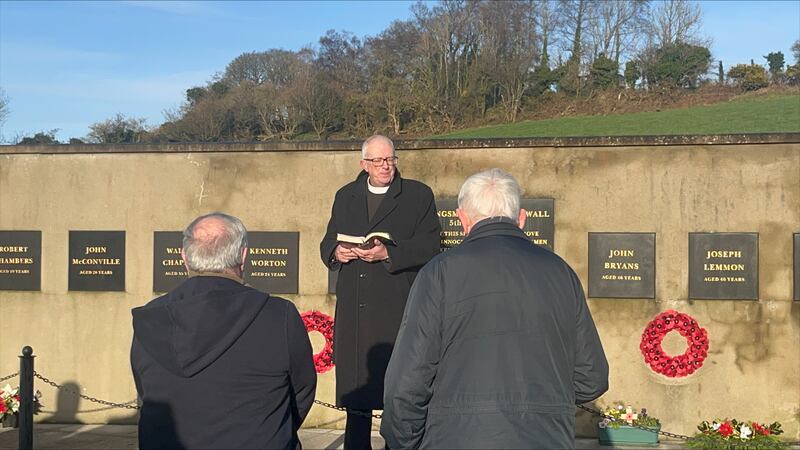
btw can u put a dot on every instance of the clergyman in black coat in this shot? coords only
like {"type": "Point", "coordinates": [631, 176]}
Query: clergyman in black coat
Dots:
{"type": "Point", "coordinates": [373, 284]}
{"type": "Point", "coordinates": [218, 364]}
{"type": "Point", "coordinates": [497, 343]}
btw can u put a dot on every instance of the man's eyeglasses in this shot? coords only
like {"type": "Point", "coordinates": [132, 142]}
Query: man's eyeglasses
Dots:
{"type": "Point", "coordinates": [377, 162]}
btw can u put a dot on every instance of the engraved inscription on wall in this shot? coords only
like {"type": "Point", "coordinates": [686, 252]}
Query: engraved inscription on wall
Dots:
{"type": "Point", "coordinates": [96, 261]}
{"type": "Point", "coordinates": [723, 266]}
{"type": "Point", "coordinates": [168, 268]}
{"type": "Point", "coordinates": [272, 261]}
{"type": "Point", "coordinates": [20, 260]}
{"type": "Point", "coordinates": [540, 220]}
{"type": "Point", "coordinates": [539, 223]}
{"type": "Point", "coordinates": [452, 234]}
{"type": "Point", "coordinates": [622, 265]}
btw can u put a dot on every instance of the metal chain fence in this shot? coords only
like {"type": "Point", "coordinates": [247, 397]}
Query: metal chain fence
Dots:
{"type": "Point", "coordinates": [132, 405]}
{"type": "Point", "coordinates": [8, 377]}
{"type": "Point", "coordinates": [129, 405]}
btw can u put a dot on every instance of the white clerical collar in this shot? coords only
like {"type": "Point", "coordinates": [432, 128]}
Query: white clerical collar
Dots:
{"type": "Point", "coordinates": [377, 190]}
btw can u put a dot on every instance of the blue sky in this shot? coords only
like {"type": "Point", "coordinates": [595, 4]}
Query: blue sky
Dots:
{"type": "Point", "coordinates": [67, 65]}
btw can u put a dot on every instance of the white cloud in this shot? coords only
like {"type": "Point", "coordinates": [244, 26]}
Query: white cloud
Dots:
{"type": "Point", "coordinates": [187, 8]}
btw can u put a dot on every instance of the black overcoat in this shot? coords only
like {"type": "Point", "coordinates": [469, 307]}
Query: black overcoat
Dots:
{"type": "Point", "coordinates": [496, 347]}
{"type": "Point", "coordinates": [371, 297]}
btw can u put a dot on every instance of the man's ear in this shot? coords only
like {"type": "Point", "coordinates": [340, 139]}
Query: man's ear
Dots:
{"type": "Point", "coordinates": [183, 257]}
{"type": "Point", "coordinates": [523, 216]}
{"type": "Point", "coordinates": [244, 258]}
{"type": "Point", "coordinates": [466, 222]}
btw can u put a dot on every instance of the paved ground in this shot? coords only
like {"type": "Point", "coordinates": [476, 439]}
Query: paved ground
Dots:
{"type": "Point", "coordinates": [55, 436]}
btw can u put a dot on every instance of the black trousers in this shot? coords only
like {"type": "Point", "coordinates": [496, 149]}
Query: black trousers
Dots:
{"type": "Point", "coordinates": [358, 430]}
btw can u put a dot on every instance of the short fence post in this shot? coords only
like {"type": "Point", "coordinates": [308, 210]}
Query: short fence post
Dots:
{"type": "Point", "coordinates": [26, 399]}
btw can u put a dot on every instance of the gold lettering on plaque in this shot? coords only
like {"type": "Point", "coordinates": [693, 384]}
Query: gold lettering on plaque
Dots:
{"type": "Point", "coordinates": [538, 213]}
{"type": "Point", "coordinates": [723, 254]}
{"type": "Point", "coordinates": [269, 251]}
{"type": "Point", "coordinates": [613, 253]}
{"type": "Point", "coordinates": [13, 249]}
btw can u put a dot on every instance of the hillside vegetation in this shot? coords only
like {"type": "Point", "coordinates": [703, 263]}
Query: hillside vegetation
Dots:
{"type": "Point", "coordinates": [750, 114]}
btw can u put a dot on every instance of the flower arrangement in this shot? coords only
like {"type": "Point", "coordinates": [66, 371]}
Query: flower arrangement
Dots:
{"type": "Point", "coordinates": [619, 414]}
{"type": "Point", "coordinates": [9, 401]}
{"type": "Point", "coordinates": [737, 434]}
{"type": "Point", "coordinates": [323, 323]}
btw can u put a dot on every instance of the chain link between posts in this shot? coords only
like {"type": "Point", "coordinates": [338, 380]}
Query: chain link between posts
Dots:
{"type": "Point", "coordinates": [133, 405]}
{"type": "Point", "coordinates": [8, 377]}
{"type": "Point", "coordinates": [129, 405]}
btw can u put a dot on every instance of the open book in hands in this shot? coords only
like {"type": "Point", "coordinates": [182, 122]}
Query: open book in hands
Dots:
{"type": "Point", "coordinates": [365, 242]}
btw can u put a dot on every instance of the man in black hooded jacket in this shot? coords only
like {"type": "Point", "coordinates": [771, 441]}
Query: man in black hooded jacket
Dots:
{"type": "Point", "coordinates": [218, 364]}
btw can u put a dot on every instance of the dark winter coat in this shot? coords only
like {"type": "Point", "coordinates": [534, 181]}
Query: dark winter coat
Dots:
{"type": "Point", "coordinates": [221, 365]}
{"type": "Point", "coordinates": [496, 347]}
{"type": "Point", "coordinates": [371, 297]}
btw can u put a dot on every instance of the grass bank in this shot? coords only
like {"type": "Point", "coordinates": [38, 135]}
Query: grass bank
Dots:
{"type": "Point", "coordinates": [769, 114]}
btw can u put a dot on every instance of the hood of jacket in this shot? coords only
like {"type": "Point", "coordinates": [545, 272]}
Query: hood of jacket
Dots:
{"type": "Point", "coordinates": [190, 327]}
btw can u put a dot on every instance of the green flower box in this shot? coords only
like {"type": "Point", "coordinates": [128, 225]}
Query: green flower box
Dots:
{"type": "Point", "coordinates": [628, 435]}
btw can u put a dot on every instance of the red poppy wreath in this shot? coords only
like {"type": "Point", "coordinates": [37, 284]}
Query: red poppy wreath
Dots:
{"type": "Point", "coordinates": [674, 366]}
{"type": "Point", "coordinates": [322, 323]}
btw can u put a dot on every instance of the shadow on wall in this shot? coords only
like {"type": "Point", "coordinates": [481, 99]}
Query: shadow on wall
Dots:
{"type": "Point", "coordinates": [68, 402]}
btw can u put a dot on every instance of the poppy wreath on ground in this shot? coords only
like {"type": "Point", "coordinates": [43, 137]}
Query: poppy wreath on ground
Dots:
{"type": "Point", "coordinates": [322, 323]}
{"type": "Point", "coordinates": [674, 366]}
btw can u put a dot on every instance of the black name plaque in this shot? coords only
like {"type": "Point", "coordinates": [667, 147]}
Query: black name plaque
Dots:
{"type": "Point", "coordinates": [622, 265]}
{"type": "Point", "coordinates": [96, 261]}
{"type": "Point", "coordinates": [168, 268]}
{"type": "Point", "coordinates": [20, 260]}
{"type": "Point", "coordinates": [723, 266]}
{"type": "Point", "coordinates": [539, 223]}
{"type": "Point", "coordinates": [452, 234]}
{"type": "Point", "coordinates": [272, 261]}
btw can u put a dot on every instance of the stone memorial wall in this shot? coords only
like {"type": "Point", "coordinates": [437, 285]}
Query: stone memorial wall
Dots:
{"type": "Point", "coordinates": [707, 226]}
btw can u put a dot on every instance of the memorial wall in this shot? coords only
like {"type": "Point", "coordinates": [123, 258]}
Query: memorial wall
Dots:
{"type": "Point", "coordinates": [705, 226]}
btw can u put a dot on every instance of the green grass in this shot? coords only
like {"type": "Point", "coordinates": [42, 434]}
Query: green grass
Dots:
{"type": "Point", "coordinates": [770, 114]}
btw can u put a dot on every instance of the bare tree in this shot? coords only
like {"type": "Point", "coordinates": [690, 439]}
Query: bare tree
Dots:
{"type": "Point", "coordinates": [796, 51]}
{"type": "Point", "coordinates": [4, 110]}
{"type": "Point", "coordinates": [674, 21]}
{"type": "Point", "coordinates": [118, 130]}
{"type": "Point", "coordinates": [392, 62]}
{"type": "Point", "coordinates": [547, 21]}
{"type": "Point", "coordinates": [576, 16]}
{"type": "Point", "coordinates": [509, 50]}
{"type": "Point", "coordinates": [616, 27]}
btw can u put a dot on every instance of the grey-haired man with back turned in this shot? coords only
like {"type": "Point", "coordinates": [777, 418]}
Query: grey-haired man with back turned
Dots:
{"type": "Point", "coordinates": [497, 344]}
{"type": "Point", "coordinates": [218, 364]}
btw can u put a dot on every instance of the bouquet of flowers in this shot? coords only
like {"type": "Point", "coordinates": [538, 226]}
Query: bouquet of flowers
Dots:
{"type": "Point", "coordinates": [619, 414]}
{"type": "Point", "coordinates": [9, 401]}
{"type": "Point", "coordinates": [735, 434]}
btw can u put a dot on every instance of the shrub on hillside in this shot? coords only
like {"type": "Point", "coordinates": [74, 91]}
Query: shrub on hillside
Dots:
{"type": "Point", "coordinates": [748, 77]}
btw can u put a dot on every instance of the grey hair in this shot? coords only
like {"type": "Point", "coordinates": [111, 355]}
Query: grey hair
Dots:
{"type": "Point", "coordinates": [219, 250]}
{"type": "Point", "coordinates": [490, 193]}
{"type": "Point", "coordinates": [372, 138]}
